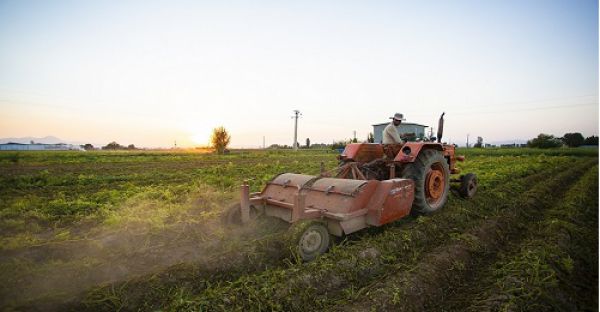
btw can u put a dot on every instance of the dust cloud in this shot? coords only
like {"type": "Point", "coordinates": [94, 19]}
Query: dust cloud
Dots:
{"type": "Point", "coordinates": [47, 276]}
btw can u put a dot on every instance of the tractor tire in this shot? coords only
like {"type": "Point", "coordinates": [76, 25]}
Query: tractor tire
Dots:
{"type": "Point", "coordinates": [468, 185]}
{"type": "Point", "coordinates": [233, 215]}
{"type": "Point", "coordinates": [431, 175]}
{"type": "Point", "coordinates": [308, 239]}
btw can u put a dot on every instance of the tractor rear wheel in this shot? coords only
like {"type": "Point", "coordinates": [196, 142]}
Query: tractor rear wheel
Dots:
{"type": "Point", "coordinates": [431, 175]}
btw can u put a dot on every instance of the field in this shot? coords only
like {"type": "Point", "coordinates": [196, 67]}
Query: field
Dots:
{"type": "Point", "coordinates": [106, 231]}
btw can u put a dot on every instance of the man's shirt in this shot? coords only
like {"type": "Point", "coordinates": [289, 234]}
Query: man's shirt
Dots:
{"type": "Point", "coordinates": [391, 135]}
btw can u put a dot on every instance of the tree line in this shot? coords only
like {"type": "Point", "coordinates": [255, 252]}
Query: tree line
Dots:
{"type": "Point", "coordinates": [574, 139]}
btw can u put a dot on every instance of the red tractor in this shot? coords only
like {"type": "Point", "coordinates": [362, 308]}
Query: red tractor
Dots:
{"type": "Point", "coordinates": [375, 184]}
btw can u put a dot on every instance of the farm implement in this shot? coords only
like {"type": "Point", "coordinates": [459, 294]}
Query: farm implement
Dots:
{"type": "Point", "coordinates": [373, 185]}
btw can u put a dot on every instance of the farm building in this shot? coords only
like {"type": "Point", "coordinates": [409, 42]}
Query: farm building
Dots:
{"type": "Point", "coordinates": [405, 128]}
{"type": "Point", "coordinates": [39, 147]}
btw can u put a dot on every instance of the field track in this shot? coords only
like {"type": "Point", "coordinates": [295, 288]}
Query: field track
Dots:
{"type": "Point", "coordinates": [530, 233]}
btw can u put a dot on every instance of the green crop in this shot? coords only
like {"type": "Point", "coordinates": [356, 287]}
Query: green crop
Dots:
{"type": "Point", "coordinates": [104, 231]}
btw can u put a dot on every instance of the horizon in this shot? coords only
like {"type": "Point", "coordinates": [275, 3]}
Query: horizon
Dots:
{"type": "Point", "coordinates": [56, 140]}
{"type": "Point", "coordinates": [152, 73]}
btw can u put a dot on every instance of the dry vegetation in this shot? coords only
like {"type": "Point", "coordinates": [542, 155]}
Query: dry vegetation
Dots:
{"type": "Point", "coordinates": [139, 231]}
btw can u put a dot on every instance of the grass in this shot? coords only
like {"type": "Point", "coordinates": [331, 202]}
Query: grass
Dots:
{"type": "Point", "coordinates": [139, 230]}
{"type": "Point", "coordinates": [556, 266]}
{"type": "Point", "coordinates": [315, 285]}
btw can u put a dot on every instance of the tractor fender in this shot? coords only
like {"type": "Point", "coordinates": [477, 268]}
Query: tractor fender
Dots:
{"type": "Point", "coordinates": [362, 152]}
{"type": "Point", "coordinates": [410, 150]}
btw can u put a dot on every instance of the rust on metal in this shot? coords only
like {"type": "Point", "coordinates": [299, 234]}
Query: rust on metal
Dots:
{"type": "Point", "coordinates": [350, 202]}
{"type": "Point", "coordinates": [245, 202]}
{"type": "Point", "coordinates": [298, 208]}
{"type": "Point", "coordinates": [434, 184]}
{"type": "Point", "coordinates": [338, 186]}
{"type": "Point", "coordinates": [410, 150]}
{"type": "Point", "coordinates": [391, 201]}
{"type": "Point", "coordinates": [362, 152]}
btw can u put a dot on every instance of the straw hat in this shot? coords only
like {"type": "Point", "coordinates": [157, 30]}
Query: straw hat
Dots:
{"type": "Point", "coordinates": [398, 116]}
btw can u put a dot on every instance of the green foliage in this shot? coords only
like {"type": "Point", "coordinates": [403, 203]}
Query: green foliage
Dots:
{"type": "Point", "coordinates": [113, 146]}
{"type": "Point", "coordinates": [48, 196]}
{"type": "Point", "coordinates": [340, 144]}
{"type": "Point", "coordinates": [479, 143]}
{"type": "Point", "coordinates": [573, 139]}
{"type": "Point", "coordinates": [593, 140]}
{"type": "Point", "coordinates": [370, 138]}
{"type": "Point", "coordinates": [544, 141]}
{"type": "Point", "coordinates": [88, 147]}
{"type": "Point", "coordinates": [220, 139]}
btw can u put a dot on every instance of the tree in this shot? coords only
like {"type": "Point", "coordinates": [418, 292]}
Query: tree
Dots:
{"type": "Point", "coordinates": [370, 137]}
{"type": "Point", "coordinates": [88, 147]}
{"type": "Point", "coordinates": [340, 144]}
{"type": "Point", "coordinates": [544, 141]}
{"type": "Point", "coordinates": [479, 143]}
{"type": "Point", "coordinates": [113, 146]}
{"type": "Point", "coordinates": [220, 139]}
{"type": "Point", "coordinates": [593, 140]}
{"type": "Point", "coordinates": [307, 142]}
{"type": "Point", "coordinates": [131, 147]}
{"type": "Point", "coordinates": [573, 139]}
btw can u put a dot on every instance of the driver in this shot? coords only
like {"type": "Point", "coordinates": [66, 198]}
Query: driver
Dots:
{"type": "Point", "coordinates": [390, 133]}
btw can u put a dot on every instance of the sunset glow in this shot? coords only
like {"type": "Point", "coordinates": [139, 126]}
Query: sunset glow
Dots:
{"type": "Point", "coordinates": [134, 72]}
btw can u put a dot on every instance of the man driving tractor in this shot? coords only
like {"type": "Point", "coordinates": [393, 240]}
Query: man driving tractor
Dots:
{"type": "Point", "coordinates": [391, 138]}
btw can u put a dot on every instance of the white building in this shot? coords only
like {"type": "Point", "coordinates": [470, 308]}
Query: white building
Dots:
{"type": "Point", "coordinates": [39, 147]}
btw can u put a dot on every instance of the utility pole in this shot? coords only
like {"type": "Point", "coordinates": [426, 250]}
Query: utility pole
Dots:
{"type": "Point", "coordinates": [467, 141]}
{"type": "Point", "coordinates": [354, 136]}
{"type": "Point", "coordinates": [296, 115]}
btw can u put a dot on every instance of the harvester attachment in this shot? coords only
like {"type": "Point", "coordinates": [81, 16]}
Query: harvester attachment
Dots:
{"type": "Point", "coordinates": [341, 206]}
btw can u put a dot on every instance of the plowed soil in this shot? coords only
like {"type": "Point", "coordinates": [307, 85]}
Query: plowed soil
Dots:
{"type": "Point", "coordinates": [528, 241]}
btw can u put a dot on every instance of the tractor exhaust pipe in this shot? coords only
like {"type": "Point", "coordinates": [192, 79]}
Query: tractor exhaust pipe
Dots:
{"type": "Point", "coordinates": [440, 128]}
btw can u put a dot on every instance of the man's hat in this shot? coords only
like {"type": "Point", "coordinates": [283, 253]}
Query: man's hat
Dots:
{"type": "Point", "coordinates": [398, 116]}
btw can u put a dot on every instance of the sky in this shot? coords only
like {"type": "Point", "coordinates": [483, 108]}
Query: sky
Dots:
{"type": "Point", "coordinates": [152, 73]}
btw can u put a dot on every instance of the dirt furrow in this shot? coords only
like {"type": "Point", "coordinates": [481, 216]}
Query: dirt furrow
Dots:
{"type": "Point", "coordinates": [554, 268]}
{"type": "Point", "coordinates": [317, 284]}
{"type": "Point", "coordinates": [400, 242]}
{"type": "Point", "coordinates": [426, 286]}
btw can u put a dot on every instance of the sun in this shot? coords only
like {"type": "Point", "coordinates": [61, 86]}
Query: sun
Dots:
{"type": "Point", "coordinates": [200, 138]}
{"type": "Point", "coordinates": [197, 132]}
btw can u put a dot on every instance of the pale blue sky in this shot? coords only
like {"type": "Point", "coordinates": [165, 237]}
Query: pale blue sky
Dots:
{"type": "Point", "coordinates": [151, 72]}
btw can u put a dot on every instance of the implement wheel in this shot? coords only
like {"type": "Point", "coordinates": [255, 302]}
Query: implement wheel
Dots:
{"type": "Point", "coordinates": [468, 185]}
{"type": "Point", "coordinates": [309, 239]}
{"type": "Point", "coordinates": [431, 175]}
{"type": "Point", "coordinates": [233, 215]}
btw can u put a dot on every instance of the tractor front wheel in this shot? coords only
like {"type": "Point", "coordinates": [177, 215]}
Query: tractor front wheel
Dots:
{"type": "Point", "coordinates": [431, 175]}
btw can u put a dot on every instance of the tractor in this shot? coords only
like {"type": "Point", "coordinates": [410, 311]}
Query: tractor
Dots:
{"type": "Point", "coordinates": [373, 185]}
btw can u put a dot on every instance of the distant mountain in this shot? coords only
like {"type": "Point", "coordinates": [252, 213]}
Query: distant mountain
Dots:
{"type": "Point", "coordinates": [45, 140]}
